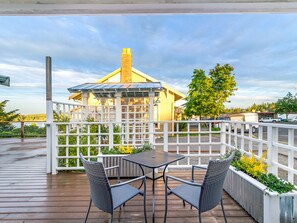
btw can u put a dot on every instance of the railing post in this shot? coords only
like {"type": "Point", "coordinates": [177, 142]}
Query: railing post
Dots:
{"type": "Point", "coordinates": [272, 154]}
{"type": "Point", "coordinates": [165, 137]}
{"type": "Point", "coordinates": [118, 108]}
{"type": "Point", "coordinates": [151, 118]}
{"type": "Point", "coordinates": [110, 135]}
{"type": "Point", "coordinates": [54, 134]}
{"type": "Point", "coordinates": [22, 129]}
{"type": "Point", "coordinates": [291, 155]}
{"type": "Point", "coordinates": [85, 109]}
{"type": "Point", "coordinates": [49, 113]}
{"type": "Point", "coordinates": [223, 138]}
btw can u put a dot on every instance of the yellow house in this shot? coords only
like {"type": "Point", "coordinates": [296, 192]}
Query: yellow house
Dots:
{"type": "Point", "coordinates": [138, 94]}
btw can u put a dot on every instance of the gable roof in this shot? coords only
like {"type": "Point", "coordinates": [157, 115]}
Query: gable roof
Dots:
{"type": "Point", "coordinates": [177, 95]}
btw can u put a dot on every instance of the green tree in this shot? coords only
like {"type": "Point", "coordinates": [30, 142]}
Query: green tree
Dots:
{"type": "Point", "coordinates": [286, 105]}
{"type": "Point", "coordinates": [6, 117]}
{"type": "Point", "coordinates": [199, 95]}
{"type": "Point", "coordinates": [208, 93]}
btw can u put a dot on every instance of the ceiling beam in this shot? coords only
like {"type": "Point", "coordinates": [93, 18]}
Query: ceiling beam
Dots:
{"type": "Point", "coordinates": [93, 7]}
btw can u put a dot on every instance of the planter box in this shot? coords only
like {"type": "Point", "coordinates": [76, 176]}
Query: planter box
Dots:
{"type": "Point", "coordinates": [264, 206]}
{"type": "Point", "coordinates": [127, 169]}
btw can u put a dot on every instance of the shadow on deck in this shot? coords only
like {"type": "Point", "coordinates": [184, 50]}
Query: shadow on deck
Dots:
{"type": "Point", "coordinates": [28, 194]}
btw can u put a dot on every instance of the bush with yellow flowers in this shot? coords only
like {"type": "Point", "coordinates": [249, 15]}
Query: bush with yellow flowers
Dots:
{"type": "Point", "coordinates": [257, 168]}
{"type": "Point", "coordinates": [251, 165]}
{"type": "Point", "coordinates": [127, 149]}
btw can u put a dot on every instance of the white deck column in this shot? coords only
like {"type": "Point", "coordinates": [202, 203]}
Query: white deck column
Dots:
{"type": "Point", "coordinates": [85, 96]}
{"type": "Point", "coordinates": [49, 114]}
{"type": "Point", "coordinates": [223, 138]}
{"type": "Point", "coordinates": [151, 117]}
{"type": "Point", "coordinates": [118, 107]}
{"type": "Point", "coordinates": [272, 154]}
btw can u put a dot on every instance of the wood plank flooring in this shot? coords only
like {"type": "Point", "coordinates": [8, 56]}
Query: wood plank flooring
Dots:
{"type": "Point", "coordinates": [28, 194]}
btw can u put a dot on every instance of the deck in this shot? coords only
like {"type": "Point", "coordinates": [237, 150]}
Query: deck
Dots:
{"type": "Point", "coordinates": [28, 194]}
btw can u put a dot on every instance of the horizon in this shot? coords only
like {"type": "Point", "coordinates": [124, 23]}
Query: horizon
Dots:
{"type": "Point", "coordinates": [261, 48]}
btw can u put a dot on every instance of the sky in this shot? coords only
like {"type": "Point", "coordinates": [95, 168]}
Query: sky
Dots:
{"type": "Point", "coordinates": [261, 48]}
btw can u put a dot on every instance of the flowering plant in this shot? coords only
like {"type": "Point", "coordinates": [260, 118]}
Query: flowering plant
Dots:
{"type": "Point", "coordinates": [257, 168]}
{"type": "Point", "coordinates": [126, 149]}
{"type": "Point", "coordinates": [251, 165]}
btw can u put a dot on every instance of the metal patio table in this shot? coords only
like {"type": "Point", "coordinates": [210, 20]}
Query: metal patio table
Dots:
{"type": "Point", "coordinates": [154, 159]}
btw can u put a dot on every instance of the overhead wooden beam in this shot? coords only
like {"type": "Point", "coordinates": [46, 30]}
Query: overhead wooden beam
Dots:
{"type": "Point", "coordinates": [92, 7]}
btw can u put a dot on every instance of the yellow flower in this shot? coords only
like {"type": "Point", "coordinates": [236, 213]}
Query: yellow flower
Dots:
{"type": "Point", "coordinates": [252, 165]}
{"type": "Point", "coordinates": [126, 149]}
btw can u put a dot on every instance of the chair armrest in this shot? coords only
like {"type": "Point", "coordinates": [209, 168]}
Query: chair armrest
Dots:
{"type": "Point", "coordinates": [111, 167]}
{"type": "Point", "coordinates": [129, 181]}
{"type": "Point", "coordinates": [182, 181]}
{"type": "Point", "coordinates": [198, 167]}
{"type": "Point", "coordinates": [118, 171]}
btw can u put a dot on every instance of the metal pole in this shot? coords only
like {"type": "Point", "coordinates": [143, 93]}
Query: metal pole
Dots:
{"type": "Point", "coordinates": [49, 112]}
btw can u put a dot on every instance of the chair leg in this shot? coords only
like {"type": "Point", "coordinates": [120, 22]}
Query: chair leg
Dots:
{"type": "Point", "coordinates": [223, 211]}
{"type": "Point", "coordinates": [90, 203]}
{"type": "Point", "coordinates": [200, 220]}
{"type": "Point", "coordinates": [144, 207]}
{"type": "Point", "coordinates": [166, 204]}
{"type": "Point", "coordinates": [111, 218]}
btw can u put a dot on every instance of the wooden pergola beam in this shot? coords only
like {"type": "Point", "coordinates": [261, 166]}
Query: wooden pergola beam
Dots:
{"type": "Point", "coordinates": [92, 7]}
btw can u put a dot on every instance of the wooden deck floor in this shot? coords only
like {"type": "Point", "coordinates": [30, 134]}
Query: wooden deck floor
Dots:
{"type": "Point", "coordinates": [28, 194]}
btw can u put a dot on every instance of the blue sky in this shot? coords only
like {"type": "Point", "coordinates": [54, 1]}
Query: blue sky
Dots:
{"type": "Point", "coordinates": [261, 48]}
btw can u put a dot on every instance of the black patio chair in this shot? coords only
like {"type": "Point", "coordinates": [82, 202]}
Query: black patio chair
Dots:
{"type": "Point", "coordinates": [203, 196]}
{"type": "Point", "coordinates": [108, 197]}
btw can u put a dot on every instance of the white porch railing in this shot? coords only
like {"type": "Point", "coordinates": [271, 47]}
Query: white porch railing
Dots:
{"type": "Point", "coordinates": [101, 113]}
{"type": "Point", "coordinates": [198, 141]}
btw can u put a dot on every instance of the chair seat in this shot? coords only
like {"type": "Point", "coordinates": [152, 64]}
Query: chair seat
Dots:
{"type": "Point", "coordinates": [188, 193]}
{"type": "Point", "coordinates": [122, 194]}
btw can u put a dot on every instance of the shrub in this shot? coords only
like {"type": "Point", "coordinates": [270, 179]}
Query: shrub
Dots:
{"type": "Point", "coordinates": [257, 168]}
{"type": "Point", "coordinates": [128, 149]}
{"type": "Point", "coordinates": [251, 165]}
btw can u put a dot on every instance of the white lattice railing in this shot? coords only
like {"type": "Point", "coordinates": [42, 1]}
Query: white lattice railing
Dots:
{"type": "Point", "coordinates": [198, 141]}
{"type": "Point", "coordinates": [68, 111]}
{"type": "Point", "coordinates": [101, 113]}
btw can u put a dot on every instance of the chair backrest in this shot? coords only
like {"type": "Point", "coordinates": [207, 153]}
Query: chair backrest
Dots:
{"type": "Point", "coordinates": [99, 185]}
{"type": "Point", "coordinates": [212, 186]}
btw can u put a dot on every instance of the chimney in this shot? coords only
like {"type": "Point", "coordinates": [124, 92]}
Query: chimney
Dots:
{"type": "Point", "coordinates": [126, 66]}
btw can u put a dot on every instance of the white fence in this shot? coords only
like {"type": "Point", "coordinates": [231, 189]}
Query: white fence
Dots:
{"type": "Point", "coordinates": [198, 141]}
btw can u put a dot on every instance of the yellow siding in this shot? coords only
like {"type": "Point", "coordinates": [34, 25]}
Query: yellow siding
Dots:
{"type": "Point", "coordinates": [137, 78]}
{"type": "Point", "coordinates": [166, 103]}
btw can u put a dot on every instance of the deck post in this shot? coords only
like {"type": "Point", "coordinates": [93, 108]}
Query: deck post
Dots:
{"type": "Point", "coordinates": [118, 108]}
{"type": "Point", "coordinates": [110, 135]}
{"type": "Point", "coordinates": [55, 150]}
{"type": "Point", "coordinates": [22, 129]}
{"type": "Point", "coordinates": [291, 155]}
{"type": "Point", "coordinates": [272, 153]}
{"type": "Point", "coordinates": [151, 117]}
{"type": "Point", "coordinates": [223, 138]}
{"type": "Point", "coordinates": [165, 136]}
{"type": "Point", "coordinates": [85, 96]}
{"type": "Point", "coordinates": [49, 113]}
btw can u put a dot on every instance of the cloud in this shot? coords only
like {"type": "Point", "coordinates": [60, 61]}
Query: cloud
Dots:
{"type": "Point", "coordinates": [262, 49]}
